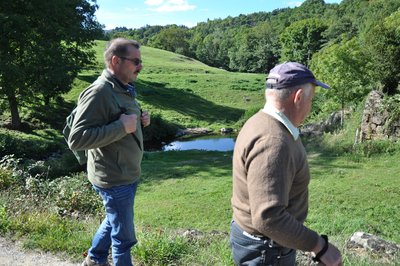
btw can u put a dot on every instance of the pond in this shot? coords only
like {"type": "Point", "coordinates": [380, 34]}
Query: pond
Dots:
{"type": "Point", "coordinates": [207, 143]}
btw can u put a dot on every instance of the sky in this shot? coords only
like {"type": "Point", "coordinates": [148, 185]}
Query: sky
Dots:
{"type": "Point", "coordinates": [138, 13]}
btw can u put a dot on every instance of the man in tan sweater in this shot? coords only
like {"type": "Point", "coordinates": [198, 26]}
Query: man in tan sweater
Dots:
{"type": "Point", "coordinates": [271, 177]}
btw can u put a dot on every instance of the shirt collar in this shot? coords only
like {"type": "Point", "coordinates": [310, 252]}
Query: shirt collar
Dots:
{"type": "Point", "coordinates": [130, 88]}
{"type": "Point", "coordinates": [281, 117]}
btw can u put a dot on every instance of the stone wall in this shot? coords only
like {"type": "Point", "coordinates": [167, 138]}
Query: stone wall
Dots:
{"type": "Point", "coordinates": [375, 124]}
{"type": "Point", "coordinates": [331, 124]}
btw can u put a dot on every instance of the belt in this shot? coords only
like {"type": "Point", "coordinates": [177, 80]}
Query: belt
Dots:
{"type": "Point", "coordinates": [271, 243]}
{"type": "Point", "coordinates": [267, 241]}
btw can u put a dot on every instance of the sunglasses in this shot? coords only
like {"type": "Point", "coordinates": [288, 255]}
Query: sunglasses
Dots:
{"type": "Point", "coordinates": [135, 61]}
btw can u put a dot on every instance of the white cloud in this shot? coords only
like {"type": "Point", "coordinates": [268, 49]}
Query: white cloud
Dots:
{"type": "Point", "coordinates": [153, 2]}
{"type": "Point", "coordinates": [170, 5]}
{"type": "Point", "coordinates": [294, 3]}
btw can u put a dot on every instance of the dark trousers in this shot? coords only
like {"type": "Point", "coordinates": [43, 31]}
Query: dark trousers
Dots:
{"type": "Point", "coordinates": [249, 250]}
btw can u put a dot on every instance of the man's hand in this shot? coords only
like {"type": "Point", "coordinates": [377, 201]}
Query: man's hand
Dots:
{"type": "Point", "coordinates": [331, 257]}
{"type": "Point", "coordinates": [129, 121]}
{"type": "Point", "coordinates": [145, 119]}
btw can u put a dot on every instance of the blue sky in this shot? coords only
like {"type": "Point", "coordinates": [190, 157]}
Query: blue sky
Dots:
{"type": "Point", "coordinates": [138, 13]}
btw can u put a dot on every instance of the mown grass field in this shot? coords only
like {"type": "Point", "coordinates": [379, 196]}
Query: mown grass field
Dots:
{"type": "Point", "coordinates": [350, 191]}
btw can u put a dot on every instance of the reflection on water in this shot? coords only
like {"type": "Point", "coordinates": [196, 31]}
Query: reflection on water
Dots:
{"type": "Point", "coordinates": [208, 143]}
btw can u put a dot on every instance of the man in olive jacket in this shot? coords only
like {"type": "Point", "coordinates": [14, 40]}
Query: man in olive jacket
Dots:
{"type": "Point", "coordinates": [108, 125]}
{"type": "Point", "coordinates": [271, 177]}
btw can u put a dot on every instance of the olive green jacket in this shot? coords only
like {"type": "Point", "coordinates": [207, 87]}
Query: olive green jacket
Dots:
{"type": "Point", "coordinates": [114, 157]}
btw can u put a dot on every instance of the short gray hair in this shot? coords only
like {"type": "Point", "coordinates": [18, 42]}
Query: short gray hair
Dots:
{"type": "Point", "coordinates": [118, 47]}
{"type": "Point", "coordinates": [284, 93]}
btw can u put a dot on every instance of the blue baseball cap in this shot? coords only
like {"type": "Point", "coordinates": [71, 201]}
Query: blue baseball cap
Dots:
{"type": "Point", "coordinates": [291, 74]}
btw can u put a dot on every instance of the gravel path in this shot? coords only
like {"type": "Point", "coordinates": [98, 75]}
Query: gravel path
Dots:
{"type": "Point", "coordinates": [12, 254]}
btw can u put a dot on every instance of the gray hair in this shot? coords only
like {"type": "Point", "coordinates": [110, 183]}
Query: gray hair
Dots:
{"type": "Point", "coordinates": [284, 93]}
{"type": "Point", "coordinates": [118, 47]}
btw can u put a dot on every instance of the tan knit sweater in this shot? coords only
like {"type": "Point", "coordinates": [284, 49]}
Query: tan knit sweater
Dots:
{"type": "Point", "coordinates": [270, 183]}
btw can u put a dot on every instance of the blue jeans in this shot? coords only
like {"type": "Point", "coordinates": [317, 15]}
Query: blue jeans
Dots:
{"type": "Point", "coordinates": [117, 229]}
{"type": "Point", "coordinates": [247, 250]}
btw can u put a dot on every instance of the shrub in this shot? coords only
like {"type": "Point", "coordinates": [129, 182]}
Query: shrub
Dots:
{"type": "Point", "coordinates": [4, 220]}
{"type": "Point", "coordinates": [65, 195]}
{"type": "Point", "coordinates": [6, 179]}
{"type": "Point", "coordinates": [75, 194]}
{"type": "Point", "coordinates": [159, 130]}
{"type": "Point", "coordinates": [24, 145]}
{"type": "Point", "coordinates": [247, 114]}
{"type": "Point", "coordinates": [370, 148]}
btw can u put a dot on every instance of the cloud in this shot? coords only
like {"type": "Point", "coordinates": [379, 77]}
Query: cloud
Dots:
{"type": "Point", "coordinates": [294, 3]}
{"type": "Point", "coordinates": [169, 5]}
{"type": "Point", "coordinates": [153, 2]}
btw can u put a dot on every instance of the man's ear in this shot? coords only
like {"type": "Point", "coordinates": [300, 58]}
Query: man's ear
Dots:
{"type": "Point", "coordinates": [298, 96]}
{"type": "Point", "coordinates": [115, 60]}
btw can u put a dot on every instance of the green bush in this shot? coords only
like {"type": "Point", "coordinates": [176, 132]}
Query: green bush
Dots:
{"type": "Point", "coordinates": [24, 145]}
{"type": "Point", "coordinates": [370, 148]}
{"type": "Point", "coordinates": [4, 220]}
{"type": "Point", "coordinates": [247, 114]}
{"type": "Point", "coordinates": [5, 178]}
{"type": "Point", "coordinates": [33, 188]}
{"type": "Point", "coordinates": [75, 194]}
{"type": "Point", "coordinates": [159, 130]}
{"type": "Point", "coordinates": [62, 165]}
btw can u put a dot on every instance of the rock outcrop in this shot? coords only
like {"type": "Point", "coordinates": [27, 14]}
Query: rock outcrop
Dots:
{"type": "Point", "coordinates": [376, 121]}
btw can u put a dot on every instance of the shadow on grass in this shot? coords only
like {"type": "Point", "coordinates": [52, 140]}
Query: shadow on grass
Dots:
{"type": "Point", "coordinates": [89, 78]}
{"type": "Point", "coordinates": [186, 103]}
{"type": "Point", "coordinates": [160, 166]}
{"type": "Point", "coordinates": [324, 159]}
{"type": "Point", "coordinates": [54, 114]}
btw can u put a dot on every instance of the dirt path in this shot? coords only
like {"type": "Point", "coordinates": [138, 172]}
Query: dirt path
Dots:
{"type": "Point", "coordinates": [12, 254]}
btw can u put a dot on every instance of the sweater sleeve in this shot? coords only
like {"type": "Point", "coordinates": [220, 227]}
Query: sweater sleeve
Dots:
{"type": "Point", "coordinates": [92, 127]}
{"type": "Point", "coordinates": [271, 171]}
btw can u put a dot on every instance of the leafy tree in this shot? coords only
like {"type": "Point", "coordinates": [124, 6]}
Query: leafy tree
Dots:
{"type": "Point", "coordinates": [344, 67]}
{"type": "Point", "coordinates": [342, 29]}
{"type": "Point", "coordinates": [213, 49]}
{"type": "Point", "coordinates": [383, 48]}
{"type": "Point", "coordinates": [44, 45]}
{"type": "Point", "coordinates": [308, 9]}
{"type": "Point", "coordinates": [255, 50]}
{"type": "Point", "coordinates": [172, 39]}
{"type": "Point", "coordinates": [301, 40]}
{"type": "Point", "coordinates": [242, 57]}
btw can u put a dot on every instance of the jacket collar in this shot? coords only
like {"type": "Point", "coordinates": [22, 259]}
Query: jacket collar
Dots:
{"type": "Point", "coordinates": [117, 84]}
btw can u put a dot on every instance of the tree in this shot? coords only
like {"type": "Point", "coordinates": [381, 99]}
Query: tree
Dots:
{"type": "Point", "coordinates": [255, 49]}
{"type": "Point", "coordinates": [214, 48]}
{"type": "Point", "coordinates": [383, 48]}
{"type": "Point", "coordinates": [344, 66]}
{"type": "Point", "coordinates": [172, 39]}
{"type": "Point", "coordinates": [302, 39]}
{"type": "Point", "coordinates": [43, 45]}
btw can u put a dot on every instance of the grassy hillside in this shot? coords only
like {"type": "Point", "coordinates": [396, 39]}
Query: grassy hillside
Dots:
{"type": "Point", "coordinates": [185, 91]}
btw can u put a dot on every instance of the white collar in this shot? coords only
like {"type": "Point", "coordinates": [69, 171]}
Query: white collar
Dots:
{"type": "Point", "coordinates": [281, 117]}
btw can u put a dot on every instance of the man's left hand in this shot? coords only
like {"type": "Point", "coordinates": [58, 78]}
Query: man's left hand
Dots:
{"type": "Point", "coordinates": [145, 118]}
